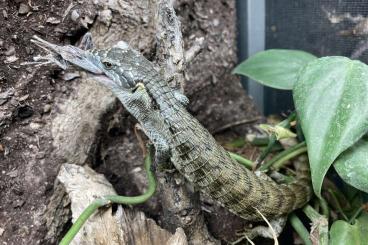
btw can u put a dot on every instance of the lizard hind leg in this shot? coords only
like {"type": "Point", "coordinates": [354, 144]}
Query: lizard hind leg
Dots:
{"type": "Point", "coordinates": [162, 153]}
{"type": "Point", "coordinates": [162, 148]}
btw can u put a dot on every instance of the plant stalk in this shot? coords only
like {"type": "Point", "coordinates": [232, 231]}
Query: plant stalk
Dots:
{"type": "Point", "coordinates": [107, 200]}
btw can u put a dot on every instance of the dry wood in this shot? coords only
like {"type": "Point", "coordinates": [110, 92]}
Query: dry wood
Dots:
{"type": "Point", "coordinates": [125, 226]}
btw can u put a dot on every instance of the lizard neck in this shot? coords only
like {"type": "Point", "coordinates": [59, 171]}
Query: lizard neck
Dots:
{"type": "Point", "coordinates": [170, 108]}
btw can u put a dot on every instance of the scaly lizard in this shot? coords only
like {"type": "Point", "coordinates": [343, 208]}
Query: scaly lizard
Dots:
{"type": "Point", "coordinates": [178, 136]}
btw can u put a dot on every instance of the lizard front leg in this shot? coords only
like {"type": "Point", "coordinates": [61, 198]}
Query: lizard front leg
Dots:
{"type": "Point", "coordinates": [178, 95]}
{"type": "Point", "coordinates": [162, 150]}
{"type": "Point", "coordinates": [151, 123]}
{"type": "Point", "coordinates": [181, 97]}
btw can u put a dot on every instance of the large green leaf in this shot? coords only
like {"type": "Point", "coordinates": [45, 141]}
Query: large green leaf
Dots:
{"type": "Point", "coordinates": [343, 233]}
{"type": "Point", "coordinates": [332, 103]}
{"type": "Point", "coordinates": [276, 68]}
{"type": "Point", "coordinates": [352, 165]}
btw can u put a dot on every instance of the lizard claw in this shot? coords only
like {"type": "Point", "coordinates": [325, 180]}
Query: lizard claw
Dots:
{"type": "Point", "coordinates": [139, 86]}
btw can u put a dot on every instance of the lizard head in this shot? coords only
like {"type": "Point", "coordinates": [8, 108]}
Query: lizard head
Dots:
{"type": "Point", "coordinates": [117, 67]}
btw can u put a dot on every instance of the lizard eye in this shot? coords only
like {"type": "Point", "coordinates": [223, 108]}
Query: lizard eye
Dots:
{"type": "Point", "coordinates": [108, 65]}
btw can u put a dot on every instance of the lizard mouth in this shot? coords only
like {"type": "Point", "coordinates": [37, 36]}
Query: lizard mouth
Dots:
{"type": "Point", "coordinates": [61, 55]}
{"type": "Point", "coordinates": [102, 79]}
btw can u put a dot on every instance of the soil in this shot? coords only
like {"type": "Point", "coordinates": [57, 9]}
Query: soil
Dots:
{"type": "Point", "coordinates": [29, 98]}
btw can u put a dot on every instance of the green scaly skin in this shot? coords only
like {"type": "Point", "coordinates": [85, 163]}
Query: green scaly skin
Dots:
{"type": "Point", "coordinates": [178, 135]}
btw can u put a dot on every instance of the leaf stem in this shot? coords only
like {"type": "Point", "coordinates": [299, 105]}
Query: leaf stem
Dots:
{"type": "Point", "coordinates": [278, 164]}
{"type": "Point", "coordinates": [82, 219]}
{"type": "Point", "coordinates": [258, 140]}
{"type": "Point", "coordinates": [325, 208]}
{"type": "Point", "coordinates": [300, 229]}
{"type": "Point", "coordinates": [311, 213]}
{"type": "Point", "coordinates": [246, 162]}
{"type": "Point", "coordinates": [285, 155]}
{"type": "Point", "coordinates": [319, 223]}
{"type": "Point", "coordinates": [338, 206]}
{"type": "Point", "coordinates": [352, 219]}
{"type": "Point", "coordinates": [112, 199]}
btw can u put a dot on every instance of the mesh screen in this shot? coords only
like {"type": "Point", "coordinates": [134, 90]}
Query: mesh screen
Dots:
{"type": "Point", "coordinates": [321, 27]}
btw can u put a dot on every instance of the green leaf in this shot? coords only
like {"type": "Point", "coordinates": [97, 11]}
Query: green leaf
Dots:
{"type": "Point", "coordinates": [352, 165]}
{"type": "Point", "coordinates": [331, 100]}
{"type": "Point", "coordinates": [280, 132]}
{"type": "Point", "coordinates": [343, 233]}
{"type": "Point", "coordinates": [276, 68]}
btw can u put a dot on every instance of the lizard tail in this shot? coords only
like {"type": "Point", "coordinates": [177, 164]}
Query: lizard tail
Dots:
{"type": "Point", "coordinates": [243, 191]}
{"type": "Point", "coordinates": [302, 186]}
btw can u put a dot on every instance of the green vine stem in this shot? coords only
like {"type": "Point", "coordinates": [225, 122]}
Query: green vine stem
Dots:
{"type": "Point", "coordinates": [324, 207]}
{"type": "Point", "coordinates": [337, 203]}
{"type": "Point", "coordinates": [107, 200]}
{"type": "Point", "coordinates": [279, 163]}
{"type": "Point", "coordinates": [285, 124]}
{"type": "Point", "coordinates": [258, 140]}
{"type": "Point", "coordinates": [285, 155]}
{"type": "Point", "coordinates": [82, 219]}
{"type": "Point", "coordinates": [355, 215]}
{"type": "Point", "coordinates": [319, 224]}
{"type": "Point", "coordinates": [246, 162]}
{"type": "Point", "coordinates": [300, 229]}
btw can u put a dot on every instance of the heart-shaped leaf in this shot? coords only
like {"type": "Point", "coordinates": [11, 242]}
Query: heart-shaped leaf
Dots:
{"type": "Point", "coordinates": [331, 100]}
{"type": "Point", "coordinates": [276, 68]}
{"type": "Point", "coordinates": [342, 233]}
{"type": "Point", "coordinates": [352, 165]}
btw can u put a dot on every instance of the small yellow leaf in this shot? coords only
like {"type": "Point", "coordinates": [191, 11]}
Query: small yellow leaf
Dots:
{"type": "Point", "coordinates": [278, 131]}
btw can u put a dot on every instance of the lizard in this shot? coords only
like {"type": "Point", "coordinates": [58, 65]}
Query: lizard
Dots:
{"type": "Point", "coordinates": [178, 136]}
